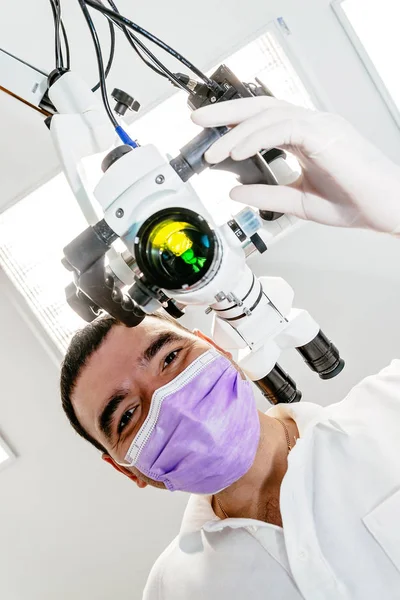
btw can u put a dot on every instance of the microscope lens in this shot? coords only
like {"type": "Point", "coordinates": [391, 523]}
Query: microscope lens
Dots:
{"type": "Point", "coordinates": [175, 248]}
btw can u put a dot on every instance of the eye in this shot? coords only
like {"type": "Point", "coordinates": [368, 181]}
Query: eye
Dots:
{"type": "Point", "coordinates": [126, 419]}
{"type": "Point", "coordinates": [170, 358]}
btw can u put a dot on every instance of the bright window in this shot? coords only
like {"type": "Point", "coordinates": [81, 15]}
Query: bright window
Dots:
{"type": "Point", "coordinates": [373, 28]}
{"type": "Point", "coordinates": [3, 456]}
{"type": "Point", "coordinates": [35, 230]}
{"type": "Point", "coordinates": [6, 456]}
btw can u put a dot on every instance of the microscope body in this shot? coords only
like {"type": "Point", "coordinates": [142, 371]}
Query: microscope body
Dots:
{"type": "Point", "coordinates": [252, 316]}
{"type": "Point", "coordinates": [175, 255]}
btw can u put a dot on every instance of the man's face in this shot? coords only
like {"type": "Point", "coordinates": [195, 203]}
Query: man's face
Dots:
{"type": "Point", "coordinates": [113, 393]}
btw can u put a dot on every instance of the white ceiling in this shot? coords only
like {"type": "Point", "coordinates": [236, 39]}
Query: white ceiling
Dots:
{"type": "Point", "coordinates": [26, 30]}
{"type": "Point", "coordinates": [206, 32]}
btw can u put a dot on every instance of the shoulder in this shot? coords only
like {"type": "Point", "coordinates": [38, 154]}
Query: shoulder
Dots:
{"type": "Point", "coordinates": [381, 388]}
{"type": "Point", "coordinates": [154, 589]}
{"type": "Point", "coordinates": [176, 573]}
{"type": "Point", "coordinates": [376, 399]}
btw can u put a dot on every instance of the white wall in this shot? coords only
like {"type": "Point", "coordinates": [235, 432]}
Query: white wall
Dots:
{"type": "Point", "coordinates": [347, 280]}
{"type": "Point", "coordinates": [69, 526]}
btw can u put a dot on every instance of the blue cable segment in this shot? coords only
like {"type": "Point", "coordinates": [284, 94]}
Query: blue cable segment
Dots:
{"type": "Point", "coordinates": [125, 138]}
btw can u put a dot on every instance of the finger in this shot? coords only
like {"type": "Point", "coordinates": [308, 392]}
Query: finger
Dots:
{"type": "Point", "coordinates": [291, 201]}
{"type": "Point", "coordinates": [280, 118]}
{"type": "Point", "coordinates": [279, 135]}
{"type": "Point", "coordinates": [275, 198]}
{"type": "Point", "coordinates": [234, 111]}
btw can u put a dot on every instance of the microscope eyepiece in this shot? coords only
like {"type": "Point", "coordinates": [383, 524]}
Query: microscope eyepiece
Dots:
{"type": "Point", "coordinates": [322, 356]}
{"type": "Point", "coordinates": [278, 387]}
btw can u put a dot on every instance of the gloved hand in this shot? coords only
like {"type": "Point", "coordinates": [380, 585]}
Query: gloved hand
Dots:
{"type": "Point", "coordinates": [345, 180]}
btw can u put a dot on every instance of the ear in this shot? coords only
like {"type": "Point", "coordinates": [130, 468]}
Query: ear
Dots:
{"type": "Point", "coordinates": [139, 482]}
{"type": "Point", "coordinates": [205, 337]}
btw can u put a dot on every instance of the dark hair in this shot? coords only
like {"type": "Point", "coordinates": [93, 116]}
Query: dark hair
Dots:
{"type": "Point", "coordinates": [82, 346]}
{"type": "Point", "coordinates": [84, 343]}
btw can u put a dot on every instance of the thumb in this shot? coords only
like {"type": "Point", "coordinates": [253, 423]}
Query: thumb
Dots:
{"type": "Point", "coordinates": [268, 197]}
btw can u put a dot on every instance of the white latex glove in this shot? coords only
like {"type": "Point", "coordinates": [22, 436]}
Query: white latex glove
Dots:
{"type": "Point", "coordinates": [345, 180]}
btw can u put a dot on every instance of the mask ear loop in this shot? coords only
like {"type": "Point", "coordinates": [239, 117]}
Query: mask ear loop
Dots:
{"type": "Point", "coordinates": [126, 465]}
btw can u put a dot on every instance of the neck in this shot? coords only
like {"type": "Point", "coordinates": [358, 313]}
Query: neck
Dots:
{"type": "Point", "coordinates": [256, 494]}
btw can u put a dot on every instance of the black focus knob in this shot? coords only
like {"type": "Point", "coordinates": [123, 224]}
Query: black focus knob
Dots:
{"type": "Point", "coordinates": [140, 293]}
{"type": "Point", "coordinates": [174, 310]}
{"type": "Point", "coordinates": [124, 102]}
{"type": "Point", "coordinates": [259, 243]}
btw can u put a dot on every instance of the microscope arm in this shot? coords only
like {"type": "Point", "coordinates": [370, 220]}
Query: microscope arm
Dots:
{"type": "Point", "coordinates": [79, 130]}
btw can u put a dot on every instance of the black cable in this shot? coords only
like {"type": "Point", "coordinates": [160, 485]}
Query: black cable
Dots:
{"type": "Point", "coordinates": [138, 29]}
{"type": "Point", "coordinates": [111, 58]}
{"type": "Point", "coordinates": [129, 36]}
{"type": "Point", "coordinates": [135, 41]}
{"type": "Point", "coordinates": [140, 55]}
{"type": "Point", "coordinates": [103, 85]}
{"type": "Point", "coordinates": [57, 42]}
{"type": "Point", "coordinates": [67, 51]}
{"type": "Point", "coordinates": [59, 53]}
{"type": "Point", "coordinates": [131, 41]}
{"type": "Point", "coordinates": [58, 22]}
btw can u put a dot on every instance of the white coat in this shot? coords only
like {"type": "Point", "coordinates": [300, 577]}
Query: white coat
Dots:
{"type": "Point", "coordinates": [340, 506]}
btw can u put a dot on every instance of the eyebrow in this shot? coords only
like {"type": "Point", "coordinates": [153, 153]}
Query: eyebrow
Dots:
{"type": "Point", "coordinates": [156, 345]}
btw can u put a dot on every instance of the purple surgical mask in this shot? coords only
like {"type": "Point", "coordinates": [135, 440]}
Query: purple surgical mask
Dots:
{"type": "Point", "coordinates": [202, 431]}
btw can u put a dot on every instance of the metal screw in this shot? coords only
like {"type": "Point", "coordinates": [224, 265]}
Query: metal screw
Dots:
{"type": "Point", "coordinates": [160, 179]}
{"type": "Point", "coordinates": [208, 310]}
{"type": "Point", "coordinates": [220, 297]}
{"type": "Point", "coordinates": [119, 213]}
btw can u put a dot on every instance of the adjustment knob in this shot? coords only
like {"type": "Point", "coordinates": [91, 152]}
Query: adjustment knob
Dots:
{"type": "Point", "coordinates": [259, 243]}
{"type": "Point", "coordinates": [124, 102]}
{"type": "Point", "coordinates": [174, 310]}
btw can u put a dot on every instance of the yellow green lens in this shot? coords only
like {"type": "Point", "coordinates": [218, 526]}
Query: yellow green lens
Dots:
{"type": "Point", "coordinates": [170, 236]}
{"type": "Point", "coordinates": [175, 237]}
{"type": "Point", "coordinates": [175, 248]}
